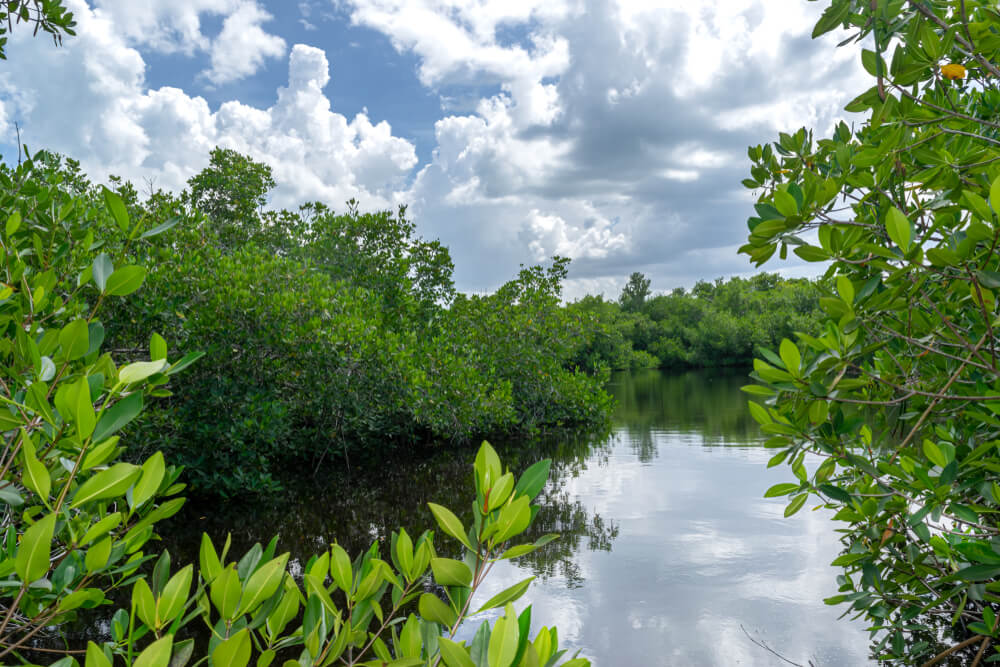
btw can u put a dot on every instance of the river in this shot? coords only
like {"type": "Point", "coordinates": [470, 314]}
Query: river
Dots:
{"type": "Point", "coordinates": [670, 554]}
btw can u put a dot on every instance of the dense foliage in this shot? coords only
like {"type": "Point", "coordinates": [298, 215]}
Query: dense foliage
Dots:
{"type": "Point", "coordinates": [333, 336]}
{"type": "Point", "coordinates": [714, 324]}
{"type": "Point", "coordinates": [899, 393]}
{"type": "Point", "coordinates": [77, 518]}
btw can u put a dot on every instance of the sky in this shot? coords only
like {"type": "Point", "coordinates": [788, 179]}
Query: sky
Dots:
{"type": "Point", "coordinates": [613, 132]}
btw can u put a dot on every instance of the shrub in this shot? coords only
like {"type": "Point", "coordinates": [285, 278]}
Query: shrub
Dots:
{"type": "Point", "coordinates": [899, 390]}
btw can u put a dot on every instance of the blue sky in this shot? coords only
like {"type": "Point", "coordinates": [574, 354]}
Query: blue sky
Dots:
{"type": "Point", "coordinates": [610, 131]}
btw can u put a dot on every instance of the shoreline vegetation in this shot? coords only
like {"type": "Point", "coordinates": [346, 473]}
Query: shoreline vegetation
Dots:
{"type": "Point", "coordinates": [337, 339]}
{"type": "Point", "coordinates": [303, 336]}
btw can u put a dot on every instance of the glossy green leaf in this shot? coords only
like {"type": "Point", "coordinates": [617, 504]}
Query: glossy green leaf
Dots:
{"type": "Point", "coordinates": [899, 229]}
{"type": "Point", "coordinates": [263, 583]}
{"type": "Point", "coordinates": [433, 609]}
{"type": "Point", "coordinates": [32, 560]}
{"type": "Point", "coordinates": [117, 416]}
{"type": "Point", "coordinates": [449, 572]}
{"type": "Point", "coordinates": [510, 594]}
{"type": "Point", "coordinates": [95, 656]}
{"type": "Point", "coordinates": [532, 481]}
{"type": "Point", "coordinates": [36, 475]}
{"type": "Point", "coordinates": [503, 641]}
{"type": "Point", "coordinates": [101, 269]}
{"type": "Point", "coordinates": [453, 654]}
{"type": "Point", "coordinates": [125, 280]}
{"type": "Point", "coordinates": [450, 524]}
{"type": "Point", "coordinates": [107, 484]}
{"type": "Point", "coordinates": [140, 370]}
{"type": "Point", "coordinates": [117, 209]}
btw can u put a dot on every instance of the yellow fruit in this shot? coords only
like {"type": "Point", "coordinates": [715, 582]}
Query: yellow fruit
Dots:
{"type": "Point", "coordinates": [953, 71]}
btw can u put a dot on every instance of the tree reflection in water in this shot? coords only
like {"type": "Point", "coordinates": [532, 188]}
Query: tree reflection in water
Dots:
{"type": "Point", "coordinates": [368, 504]}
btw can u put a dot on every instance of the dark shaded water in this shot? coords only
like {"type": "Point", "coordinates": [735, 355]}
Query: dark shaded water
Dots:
{"type": "Point", "coordinates": [669, 555]}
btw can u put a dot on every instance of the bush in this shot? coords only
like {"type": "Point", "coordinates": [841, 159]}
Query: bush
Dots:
{"type": "Point", "coordinates": [899, 391]}
{"type": "Point", "coordinates": [78, 519]}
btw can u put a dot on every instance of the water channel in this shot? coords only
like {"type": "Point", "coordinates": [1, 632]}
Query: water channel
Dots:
{"type": "Point", "coordinates": [670, 555]}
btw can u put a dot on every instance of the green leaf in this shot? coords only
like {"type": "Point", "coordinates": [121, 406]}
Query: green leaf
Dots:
{"type": "Point", "coordinates": [95, 656]}
{"type": "Point", "coordinates": [989, 279]}
{"type": "Point", "coordinates": [533, 479]}
{"type": "Point", "coordinates": [340, 568]}
{"type": "Point", "coordinates": [450, 524]}
{"type": "Point", "coordinates": [125, 280]}
{"type": "Point", "coordinates": [162, 227]}
{"type": "Point", "coordinates": [140, 370]}
{"type": "Point", "coordinates": [781, 490]}
{"type": "Point", "coordinates": [156, 654]}
{"type": "Point", "coordinates": [899, 229]}
{"type": "Point", "coordinates": [225, 592]}
{"type": "Point", "coordinates": [182, 653]}
{"type": "Point", "coordinates": [977, 205]}
{"type": "Point", "coordinates": [75, 339]}
{"type": "Point", "coordinates": [11, 497]}
{"type": "Point", "coordinates": [934, 454]}
{"type": "Point", "coordinates": [811, 253]}
{"type": "Point", "coordinates": [101, 269]}
{"type": "Point", "coordinates": [36, 475]}
{"type": "Point", "coordinates": [82, 407]}
{"type": "Point", "coordinates": [431, 608]}
{"type": "Point", "coordinates": [32, 560]}
{"type": "Point", "coordinates": [977, 573]}
{"type": "Point", "coordinates": [13, 223]}
{"type": "Point", "coordinates": [263, 583]}
{"type": "Point", "coordinates": [453, 654]}
{"type": "Point", "coordinates": [833, 16]}
{"type": "Point", "coordinates": [785, 203]}
{"type": "Point", "coordinates": [791, 357]}
{"type": "Point", "coordinates": [796, 504]}
{"type": "Point", "coordinates": [101, 528]}
{"type": "Point", "coordinates": [157, 347]}
{"type": "Point", "coordinates": [208, 559]}
{"type": "Point", "coordinates": [185, 361]}
{"type": "Point", "coordinates": [117, 208]}
{"type": "Point", "coordinates": [174, 595]}
{"type": "Point", "coordinates": [117, 416]}
{"type": "Point", "coordinates": [98, 555]}
{"type": "Point", "coordinates": [487, 466]}
{"type": "Point", "coordinates": [449, 572]}
{"type": "Point", "coordinates": [507, 595]}
{"type": "Point", "coordinates": [995, 195]}
{"type": "Point", "coordinates": [759, 413]}
{"type": "Point", "coordinates": [503, 641]}
{"type": "Point", "coordinates": [153, 471]}
{"type": "Point", "coordinates": [107, 484]}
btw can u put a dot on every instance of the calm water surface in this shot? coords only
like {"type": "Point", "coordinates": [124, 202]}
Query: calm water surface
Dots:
{"type": "Point", "coordinates": [669, 555]}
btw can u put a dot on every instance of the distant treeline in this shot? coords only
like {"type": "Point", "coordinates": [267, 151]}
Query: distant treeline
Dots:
{"type": "Point", "coordinates": [713, 324]}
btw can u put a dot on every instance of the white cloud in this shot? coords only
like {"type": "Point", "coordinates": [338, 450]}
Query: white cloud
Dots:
{"type": "Point", "coordinates": [95, 106]}
{"type": "Point", "coordinates": [633, 111]}
{"type": "Point", "coordinates": [164, 25]}
{"type": "Point", "coordinates": [176, 26]}
{"type": "Point", "coordinates": [614, 131]}
{"type": "Point", "coordinates": [242, 46]}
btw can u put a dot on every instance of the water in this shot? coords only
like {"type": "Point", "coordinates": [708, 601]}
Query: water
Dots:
{"type": "Point", "coordinates": [670, 555]}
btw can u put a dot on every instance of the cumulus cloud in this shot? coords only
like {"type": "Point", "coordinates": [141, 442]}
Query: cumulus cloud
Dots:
{"type": "Point", "coordinates": [242, 46]}
{"type": "Point", "coordinates": [177, 26]}
{"type": "Point", "coordinates": [612, 131]}
{"type": "Point", "coordinates": [167, 26]}
{"type": "Point", "coordinates": [629, 111]}
{"type": "Point", "coordinates": [120, 126]}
